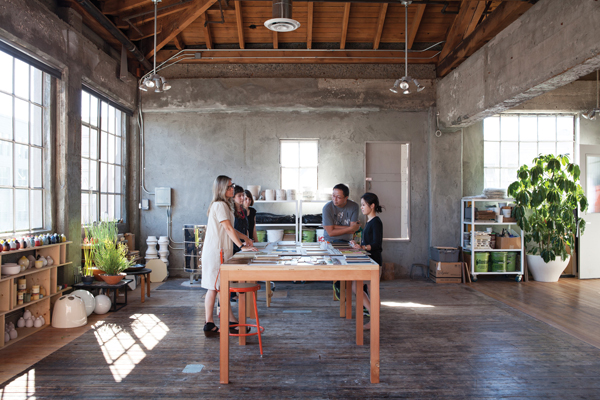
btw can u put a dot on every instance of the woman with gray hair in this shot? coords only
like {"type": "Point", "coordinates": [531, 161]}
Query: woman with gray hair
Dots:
{"type": "Point", "coordinates": [220, 235]}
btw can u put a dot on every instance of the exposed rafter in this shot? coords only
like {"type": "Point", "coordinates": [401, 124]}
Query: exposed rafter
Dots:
{"type": "Point", "coordinates": [179, 43]}
{"type": "Point", "coordinates": [380, 23]}
{"type": "Point", "coordinates": [309, 26]}
{"type": "Point", "coordinates": [414, 26]}
{"type": "Point", "coordinates": [459, 26]}
{"type": "Point", "coordinates": [206, 28]}
{"type": "Point", "coordinates": [114, 7]}
{"type": "Point", "coordinates": [240, 24]}
{"type": "Point", "coordinates": [275, 40]}
{"type": "Point", "coordinates": [476, 17]}
{"type": "Point", "coordinates": [345, 25]}
{"type": "Point", "coordinates": [146, 32]}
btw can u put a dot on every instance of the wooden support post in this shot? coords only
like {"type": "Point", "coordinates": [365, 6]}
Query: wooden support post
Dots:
{"type": "Point", "coordinates": [342, 299]}
{"type": "Point", "coordinates": [359, 313]}
{"type": "Point", "coordinates": [375, 308]}
{"type": "Point", "coordinates": [348, 299]}
{"type": "Point", "coordinates": [224, 336]}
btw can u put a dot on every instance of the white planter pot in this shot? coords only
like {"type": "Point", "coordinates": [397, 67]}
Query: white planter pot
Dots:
{"type": "Point", "coordinates": [546, 272]}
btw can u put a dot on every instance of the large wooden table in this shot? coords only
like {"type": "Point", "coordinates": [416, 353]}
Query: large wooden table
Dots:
{"type": "Point", "coordinates": [234, 272]}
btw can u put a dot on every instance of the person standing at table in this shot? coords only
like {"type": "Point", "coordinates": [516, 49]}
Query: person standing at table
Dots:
{"type": "Point", "coordinates": [220, 236]}
{"type": "Point", "coordinates": [340, 220]}
{"type": "Point", "coordinates": [240, 214]}
{"type": "Point", "coordinates": [251, 212]}
{"type": "Point", "coordinates": [372, 239]}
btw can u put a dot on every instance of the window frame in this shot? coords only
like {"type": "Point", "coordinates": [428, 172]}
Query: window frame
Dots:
{"type": "Point", "coordinates": [281, 167]}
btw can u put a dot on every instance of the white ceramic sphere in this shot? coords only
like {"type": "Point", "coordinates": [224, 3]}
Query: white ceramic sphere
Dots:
{"type": "Point", "coordinates": [13, 334]}
{"type": "Point", "coordinates": [103, 304]}
{"type": "Point", "coordinates": [27, 314]}
{"type": "Point", "coordinates": [6, 337]}
{"type": "Point", "coordinates": [88, 299]}
{"type": "Point", "coordinates": [21, 322]}
{"type": "Point", "coordinates": [50, 260]}
{"type": "Point", "coordinates": [29, 323]}
{"type": "Point", "coordinates": [37, 323]}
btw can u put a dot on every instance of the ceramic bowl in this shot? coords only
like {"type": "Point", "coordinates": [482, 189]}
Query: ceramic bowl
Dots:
{"type": "Point", "coordinates": [11, 269]}
{"type": "Point", "coordinates": [39, 264]}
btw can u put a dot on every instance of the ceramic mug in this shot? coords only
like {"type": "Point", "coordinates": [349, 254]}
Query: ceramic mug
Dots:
{"type": "Point", "coordinates": [506, 212]}
{"type": "Point", "coordinates": [269, 195]}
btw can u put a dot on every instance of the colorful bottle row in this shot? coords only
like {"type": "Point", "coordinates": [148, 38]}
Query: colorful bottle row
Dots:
{"type": "Point", "coordinates": [31, 241]}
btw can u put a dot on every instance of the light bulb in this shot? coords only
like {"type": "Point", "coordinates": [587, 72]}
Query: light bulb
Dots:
{"type": "Point", "coordinates": [404, 85]}
{"type": "Point", "coordinates": [143, 87]}
{"type": "Point", "coordinates": [166, 86]}
{"type": "Point", "coordinates": [149, 83]}
{"type": "Point", "coordinates": [406, 91]}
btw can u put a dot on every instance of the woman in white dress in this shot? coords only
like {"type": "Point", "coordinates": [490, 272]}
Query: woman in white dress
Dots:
{"type": "Point", "coordinates": [220, 235]}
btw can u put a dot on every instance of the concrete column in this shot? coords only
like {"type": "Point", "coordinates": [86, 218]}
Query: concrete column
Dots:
{"type": "Point", "coordinates": [551, 45]}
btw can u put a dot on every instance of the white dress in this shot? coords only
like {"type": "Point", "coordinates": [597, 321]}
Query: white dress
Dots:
{"type": "Point", "coordinates": [215, 240]}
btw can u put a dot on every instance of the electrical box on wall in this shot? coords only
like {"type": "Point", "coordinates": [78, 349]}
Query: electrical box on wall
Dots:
{"type": "Point", "coordinates": [162, 196]}
{"type": "Point", "coordinates": [145, 205]}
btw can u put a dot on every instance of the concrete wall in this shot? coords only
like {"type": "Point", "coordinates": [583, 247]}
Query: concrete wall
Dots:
{"type": "Point", "coordinates": [30, 26]}
{"type": "Point", "coordinates": [205, 127]}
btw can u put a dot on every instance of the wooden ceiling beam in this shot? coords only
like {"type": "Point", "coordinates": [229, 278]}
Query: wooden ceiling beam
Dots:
{"type": "Point", "coordinates": [148, 13]}
{"type": "Point", "coordinates": [174, 25]}
{"type": "Point", "coordinates": [345, 25]}
{"type": "Point", "coordinates": [309, 26]}
{"type": "Point", "coordinates": [240, 24]}
{"type": "Point", "coordinates": [147, 31]}
{"type": "Point", "coordinates": [476, 17]}
{"type": "Point", "coordinates": [179, 43]}
{"type": "Point", "coordinates": [275, 40]}
{"type": "Point", "coordinates": [416, 22]}
{"type": "Point", "coordinates": [115, 7]}
{"type": "Point", "coordinates": [380, 22]}
{"type": "Point", "coordinates": [505, 14]}
{"type": "Point", "coordinates": [206, 27]}
{"type": "Point", "coordinates": [459, 26]}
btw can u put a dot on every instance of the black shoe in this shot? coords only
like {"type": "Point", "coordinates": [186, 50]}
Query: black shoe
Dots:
{"type": "Point", "coordinates": [336, 290]}
{"type": "Point", "coordinates": [211, 330]}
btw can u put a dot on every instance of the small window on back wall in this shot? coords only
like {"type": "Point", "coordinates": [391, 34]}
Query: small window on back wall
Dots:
{"type": "Point", "coordinates": [299, 160]}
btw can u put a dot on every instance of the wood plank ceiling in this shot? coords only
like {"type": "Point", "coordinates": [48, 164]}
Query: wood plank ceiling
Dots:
{"type": "Point", "coordinates": [443, 33]}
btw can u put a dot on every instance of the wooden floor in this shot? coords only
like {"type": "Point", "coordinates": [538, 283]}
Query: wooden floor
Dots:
{"type": "Point", "coordinates": [437, 341]}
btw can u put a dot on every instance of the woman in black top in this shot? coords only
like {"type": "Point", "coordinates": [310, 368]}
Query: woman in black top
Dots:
{"type": "Point", "coordinates": [240, 214]}
{"type": "Point", "coordinates": [248, 203]}
{"type": "Point", "coordinates": [372, 236]}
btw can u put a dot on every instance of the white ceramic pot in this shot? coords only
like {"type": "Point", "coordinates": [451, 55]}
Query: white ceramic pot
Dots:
{"type": "Point", "coordinates": [255, 190]}
{"type": "Point", "coordinates": [69, 312]}
{"type": "Point", "coordinates": [280, 194]}
{"type": "Point", "coordinates": [269, 195]}
{"type": "Point", "coordinates": [290, 194]}
{"type": "Point", "coordinates": [274, 235]}
{"type": "Point", "coordinates": [546, 272]}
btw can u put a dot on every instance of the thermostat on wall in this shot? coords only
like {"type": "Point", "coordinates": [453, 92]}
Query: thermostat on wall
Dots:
{"type": "Point", "coordinates": [162, 196]}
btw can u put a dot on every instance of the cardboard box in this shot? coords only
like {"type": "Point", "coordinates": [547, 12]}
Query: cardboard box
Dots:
{"type": "Point", "coordinates": [289, 237]}
{"type": "Point", "coordinates": [130, 237]}
{"type": "Point", "coordinates": [508, 243]}
{"type": "Point", "coordinates": [445, 270]}
{"type": "Point", "coordinates": [435, 279]}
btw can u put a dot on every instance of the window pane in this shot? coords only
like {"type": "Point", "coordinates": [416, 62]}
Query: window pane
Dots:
{"type": "Point", "coordinates": [507, 176]}
{"type": "Point", "coordinates": [111, 149]}
{"type": "Point", "coordinates": [111, 207]}
{"type": "Point", "coordinates": [37, 210]}
{"type": "Point", "coordinates": [118, 123]}
{"type": "Point", "coordinates": [21, 165]}
{"type": "Point", "coordinates": [6, 115]}
{"type": "Point", "coordinates": [547, 127]}
{"type": "Point", "coordinates": [491, 177]}
{"type": "Point", "coordinates": [6, 164]}
{"type": "Point", "coordinates": [21, 79]}
{"type": "Point", "coordinates": [93, 111]}
{"type": "Point", "coordinates": [6, 210]}
{"type": "Point", "coordinates": [491, 128]}
{"type": "Point", "coordinates": [85, 174]}
{"type": "Point", "coordinates": [491, 154]}
{"type": "Point", "coordinates": [94, 144]}
{"type": "Point", "coordinates": [103, 181]}
{"type": "Point", "coordinates": [103, 146]}
{"type": "Point", "coordinates": [21, 210]}
{"type": "Point", "coordinates": [104, 115]}
{"type": "Point", "coordinates": [93, 175]}
{"type": "Point", "coordinates": [85, 107]}
{"type": "Point", "coordinates": [289, 154]}
{"type": "Point", "coordinates": [308, 154]}
{"type": "Point", "coordinates": [508, 154]}
{"type": "Point", "coordinates": [289, 178]}
{"type": "Point", "coordinates": [308, 178]}
{"type": "Point", "coordinates": [564, 128]}
{"type": "Point", "coordinates": [6, 70]}
{"type": "Point", "coordinates": [104, 207]}
{"type": "Point", "coordinates": [527, 152]}
{"type": "Point", "coordinates": [118, 187]}
{"type": "Point", "coordinates": [94, 207]}
{"type": "Point", "coordinates": [85, 141]}
{"type": "Point", "coordinates": [111, 178]}
{"type": "Point", "coordinates": [36, 125]}
{"type": "Point", "coordinates": [111, 119]}
{"type": "Point", "coordinates": [85, 208]}
{"type": "Point", "coordinates": [528, 128]}
{"type": "Point", "coordinates": [118, 208]}
{"type": "Point", "coordinates": [565, 148]}
{"type": "Point", "coordinates": [509, 127]}
{"type": "Point", "coordinates": [36, 167]}
{"type": "Point", "coordinates": [547, 148]}
{"type": "Point", "coordinates": [21, 121]}
{"type": "Point", "coordinates": [36, 85]}
{"type": "Point", "coordinates": [118, 157]}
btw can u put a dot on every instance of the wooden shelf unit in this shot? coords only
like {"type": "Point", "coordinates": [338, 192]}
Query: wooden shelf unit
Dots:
{"type": "Point", "coordinates": [46, 277]}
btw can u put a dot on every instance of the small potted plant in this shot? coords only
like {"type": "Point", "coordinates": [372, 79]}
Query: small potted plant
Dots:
{"type": "Point", "coordinates": [88, 267]}
{"type": "Point", "coordinates": [547, 196]}
{"type": "Point", "coordinates": [108, 254]}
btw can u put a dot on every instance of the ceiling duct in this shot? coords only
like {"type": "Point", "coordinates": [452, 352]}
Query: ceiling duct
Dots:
{"type": "Point", "coordinates": [282, 17]}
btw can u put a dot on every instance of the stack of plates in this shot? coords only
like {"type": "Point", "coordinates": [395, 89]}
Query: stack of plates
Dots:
{"type": "Point", "coordinates": [494, 193]}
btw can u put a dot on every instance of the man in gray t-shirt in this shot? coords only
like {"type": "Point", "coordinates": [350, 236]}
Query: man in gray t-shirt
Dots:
{"type": "Point", "coordinates": [340, 216]}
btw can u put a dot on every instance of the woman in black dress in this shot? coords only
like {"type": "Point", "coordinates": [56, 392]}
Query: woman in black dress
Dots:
{"type": "Point", "coordinates": [240, 214]}
{"type": "Point", "coordinates": [372, 236]}
{"type": "Point", "coordinates": [251, 212]}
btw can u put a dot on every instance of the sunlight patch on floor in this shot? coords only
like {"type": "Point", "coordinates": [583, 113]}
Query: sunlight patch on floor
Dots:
{"type": "Point", "coordinates": [22, 387]}
{"type": "Point", "coordinates": [407, 305]}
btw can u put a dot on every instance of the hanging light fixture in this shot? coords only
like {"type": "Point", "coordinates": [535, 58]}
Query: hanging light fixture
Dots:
{"type": "Point", "coordinates": [154, 80]}
{"type": "Point", "coordinates": [594, 112]}
{"type": "Point", "coordinates": [404, 82]}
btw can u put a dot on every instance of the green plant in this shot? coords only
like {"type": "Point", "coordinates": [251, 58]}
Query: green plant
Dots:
{"type": "Point", "coordinates": [87, 253]}
{"type": "Point", "coordinates": [107, 253]}
{"type": "Point", "coordinates": [546, 197]}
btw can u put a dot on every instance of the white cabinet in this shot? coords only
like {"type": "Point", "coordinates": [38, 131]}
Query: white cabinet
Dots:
{"type": "Point", "coordinates": [469, 224]}
{"type": "Point", "coordinates": [299, 207]}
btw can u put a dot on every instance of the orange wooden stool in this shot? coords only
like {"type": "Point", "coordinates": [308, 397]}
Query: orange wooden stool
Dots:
{"type": "Point", "coordinates": [237, 287]}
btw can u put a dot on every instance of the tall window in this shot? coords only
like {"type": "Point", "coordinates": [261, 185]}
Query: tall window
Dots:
{"type": "Point", "coordinates": [22, 111]}
{"type": "Point", "coordinates": [513, 140]}
{"type": "Point", "coordinates": [102, 165]}
{"type": "Point", "coordinates": [299, 160]}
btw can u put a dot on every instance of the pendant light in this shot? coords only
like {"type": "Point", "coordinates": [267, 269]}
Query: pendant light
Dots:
{"type": "Point", "coordinates": [594, 112]}
{"type": "Point", "coordinates": [403, 83]}
{"type": "Point", "coordinates": [154, 80]}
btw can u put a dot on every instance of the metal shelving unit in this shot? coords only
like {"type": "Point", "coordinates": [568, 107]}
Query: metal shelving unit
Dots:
{"type": "Point", "coordinates": [300, 213]}
{"type": "Point", "coordinates": [464, 223]}
{"type": "Point", "coordinates": [294, 225]}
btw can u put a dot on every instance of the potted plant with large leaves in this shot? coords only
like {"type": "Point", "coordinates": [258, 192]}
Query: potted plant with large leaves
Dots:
{"type": "Point", "coordinates": [108, 254]}
{"type": "Point", "coordinates": [547, 196]}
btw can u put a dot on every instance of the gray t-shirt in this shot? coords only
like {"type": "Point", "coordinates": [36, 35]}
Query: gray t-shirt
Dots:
{"type": "Point", "coordinates": [343, 216]}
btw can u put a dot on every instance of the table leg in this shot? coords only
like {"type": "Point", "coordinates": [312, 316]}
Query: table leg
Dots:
{"type": "Point", "coordinates": [148, 285]}
{"type": "Point", "coordinates": [242, 316]}
{"type": "Point", "coordinates": [224, 337]}
{"type": "Point", "coordinates": [342, 299]}
{"type": "Point", "coordinates": [268, 291]}
{"type": "Point", "coordinates": [359, 313]}
{"type": "Point", "coordinates": [143, 286]}
{"type": "Point", "coordinates": [349, 300]}
{"type": "Point", "coordinates": [375, 308]}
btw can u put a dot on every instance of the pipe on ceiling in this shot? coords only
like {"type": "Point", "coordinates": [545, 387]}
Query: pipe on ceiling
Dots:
{"type": "Point", "coordinates": [113, 30]}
